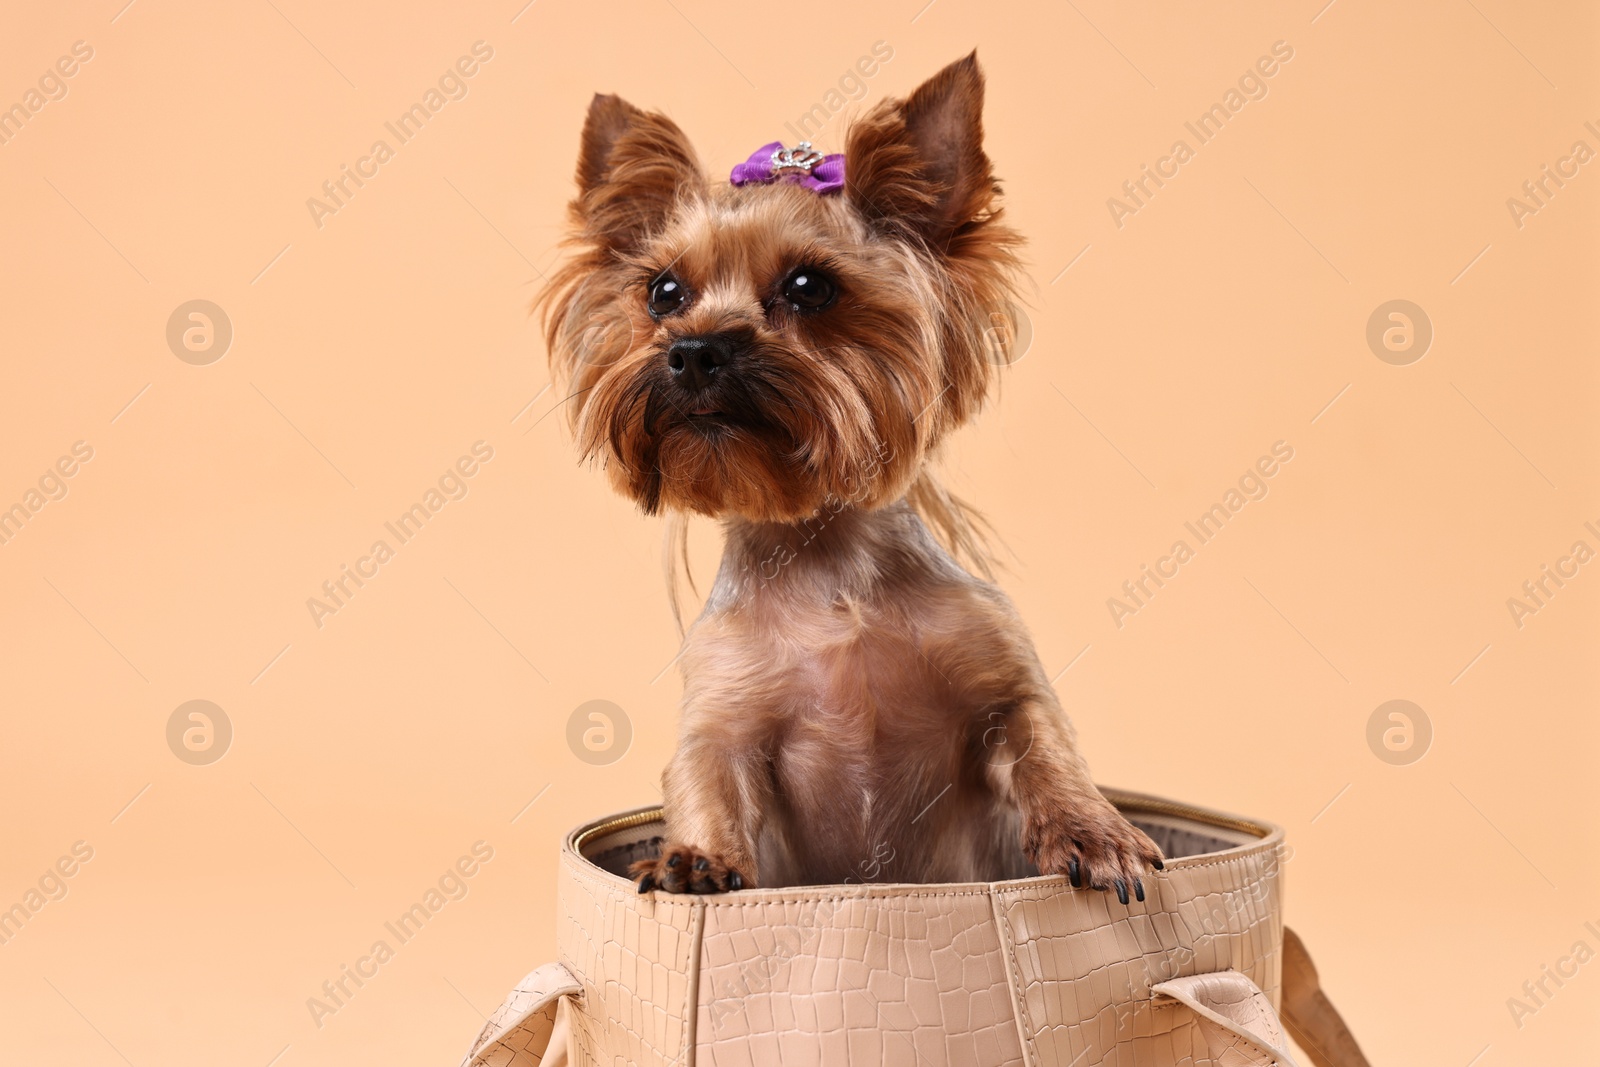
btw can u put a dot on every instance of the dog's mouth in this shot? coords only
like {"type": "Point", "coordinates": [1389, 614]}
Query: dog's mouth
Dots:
{"type": "Point", "coordinates": [665, 412]}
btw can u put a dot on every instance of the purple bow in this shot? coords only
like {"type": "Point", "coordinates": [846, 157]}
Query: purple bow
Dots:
{"type": "Point", "coordinates": [812, 169]}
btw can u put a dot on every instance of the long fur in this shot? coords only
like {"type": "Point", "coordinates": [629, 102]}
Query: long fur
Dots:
{"type": "Point", "coordinates": [851, 691]}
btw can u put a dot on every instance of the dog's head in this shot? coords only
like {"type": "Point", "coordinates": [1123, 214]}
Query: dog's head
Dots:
{"type": "Point", "coordinates": [765, 349]}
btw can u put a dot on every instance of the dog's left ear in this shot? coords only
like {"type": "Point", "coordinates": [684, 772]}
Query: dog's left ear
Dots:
{"type": "Point", "coordinates": [918, 164]}
{"type": "Point", "coordinates": [633, 166]}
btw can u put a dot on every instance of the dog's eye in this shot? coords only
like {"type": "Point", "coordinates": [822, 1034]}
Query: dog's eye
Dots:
{"type": "Point", "coordinates": [808, 289]}
{"type": "Point", "coordinates": [666, 295]}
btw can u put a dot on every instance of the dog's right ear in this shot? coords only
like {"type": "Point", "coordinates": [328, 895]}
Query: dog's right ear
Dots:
{"type": "Point", "coordinates": [633, 166]}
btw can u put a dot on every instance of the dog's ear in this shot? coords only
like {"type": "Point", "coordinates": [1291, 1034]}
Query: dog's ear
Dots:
{"type": "Point", "coordinates": [633, 166]}
{"type": "Point", "coordinates": [918, 164]}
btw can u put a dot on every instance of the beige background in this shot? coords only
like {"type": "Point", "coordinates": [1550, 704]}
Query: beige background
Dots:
{"type": "Point", "coordinates": [369, 354]}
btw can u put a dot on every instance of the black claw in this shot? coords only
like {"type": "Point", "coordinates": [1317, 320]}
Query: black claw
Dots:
{"type": "Point", "coordinates": [674, 860]}
{"type": "Point", "coordinates": [1158, 865]}
{"type": "Point", "coordinates": [1138, 889]}
{"type": "Point", "coordinates": [1122, 890]}
{"type": "Point", "coordinates": [702, 864]}
{"type": "Point", "coordinates": [647, 883]}
{"type": "Point", "coordinates": [735, 880]}
{"type": "Point", "coordinates": [1074, 875]}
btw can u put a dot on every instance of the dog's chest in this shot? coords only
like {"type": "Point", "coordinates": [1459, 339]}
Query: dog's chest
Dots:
{"type": "Point", "coordinates": [865, 720]}
{"type": "Point", "coordinates": [862, 687]}
{"type": "Point", "coordinates": [859, 673]}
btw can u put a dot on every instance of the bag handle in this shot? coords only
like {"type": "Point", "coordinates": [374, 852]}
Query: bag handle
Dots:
{"type": "Point", "coordinates": [518, 1033]}
{"type": "Point", "coordinates": [1236, 1018]}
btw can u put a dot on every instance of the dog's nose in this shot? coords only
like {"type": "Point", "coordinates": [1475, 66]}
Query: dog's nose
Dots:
{"type": "Point", "coordinates": [696, 361]}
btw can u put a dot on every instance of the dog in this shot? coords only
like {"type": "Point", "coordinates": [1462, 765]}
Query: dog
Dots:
{"type": "Point", "coordinates": [785, 352]}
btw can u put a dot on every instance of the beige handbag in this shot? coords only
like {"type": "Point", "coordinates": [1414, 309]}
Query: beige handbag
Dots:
{"type": "Point", "coordinates": [1020, 972]}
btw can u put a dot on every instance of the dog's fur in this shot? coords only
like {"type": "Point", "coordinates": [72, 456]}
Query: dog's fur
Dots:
{"type": "Point", "coordinates": [856, 705]}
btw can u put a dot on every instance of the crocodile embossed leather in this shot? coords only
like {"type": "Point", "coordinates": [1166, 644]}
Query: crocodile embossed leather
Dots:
{"type": "Point", "coordinates": [1028, 972]}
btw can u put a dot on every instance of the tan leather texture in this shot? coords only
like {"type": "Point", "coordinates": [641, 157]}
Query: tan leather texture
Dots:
{"type": "Point", "coordinates": [1232, 1015]}
{"type": "Point", "coordinates": [519, 1032]}
{"type": "Point", "coordinates": [1029, 972]}
{"type": "Point", "coordinates": [1310, 1017]}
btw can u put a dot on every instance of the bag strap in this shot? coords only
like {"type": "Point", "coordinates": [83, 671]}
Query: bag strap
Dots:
{"type": "Point", "coordinates": [518, 1033]}
{"type": "Point", "coordinates": [1312, 1020]}
{"type": "Point", "coordinates": [1236, 1018]}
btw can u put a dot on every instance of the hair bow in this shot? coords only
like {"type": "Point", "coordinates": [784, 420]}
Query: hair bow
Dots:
{"type": "Point", "coordinates": [802, 163]}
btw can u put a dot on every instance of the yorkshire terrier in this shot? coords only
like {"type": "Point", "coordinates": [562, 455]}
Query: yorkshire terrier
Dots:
{"type": "Point", "coordinates": [784, 352]}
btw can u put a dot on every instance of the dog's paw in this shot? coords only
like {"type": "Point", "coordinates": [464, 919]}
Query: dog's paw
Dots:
{"type": "Point", "coordinates": [682, 869]}
{"type": "Point", "coordinates": [1098, 849]}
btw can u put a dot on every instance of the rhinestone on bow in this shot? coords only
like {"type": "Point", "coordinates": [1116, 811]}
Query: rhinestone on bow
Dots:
{"type": "Point", "coordinates": [802, 157]}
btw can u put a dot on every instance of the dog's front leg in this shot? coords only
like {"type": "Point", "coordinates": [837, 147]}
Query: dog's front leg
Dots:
{"type": "Point", "coordinates": [715, 794]}
{"type": "Point", "coordinates": [1068, 827]}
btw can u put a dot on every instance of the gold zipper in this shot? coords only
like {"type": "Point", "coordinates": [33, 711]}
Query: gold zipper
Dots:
{"type": "Point", "coordinates": [1136, 802]}
{"type": "Point", "coordinates": [617, 824]}
{"type": "Point", "coordinates": [1129, 801]}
